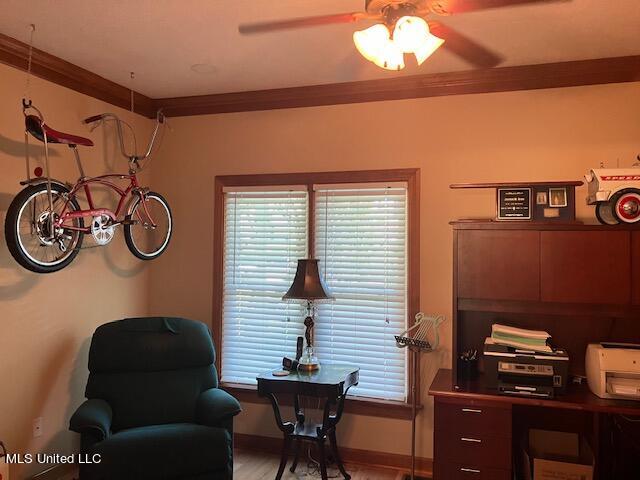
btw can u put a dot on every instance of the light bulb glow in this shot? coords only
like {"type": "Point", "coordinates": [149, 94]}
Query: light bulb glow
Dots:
{"type": "Point", "coordinates": [375, 45]}
{"type": "Point", "coordinates": [412, 35]}
{"type": "Point", "coordinates": [371, 42]}
{"type": "Point", "coordinates": [430, 44]}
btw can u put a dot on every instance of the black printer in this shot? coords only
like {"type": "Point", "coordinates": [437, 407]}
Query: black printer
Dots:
{"type": "Point", "coordinates": [514, 371]}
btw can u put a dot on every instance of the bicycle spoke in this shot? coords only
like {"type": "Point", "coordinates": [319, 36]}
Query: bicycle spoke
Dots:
{"type": "Point", "coordinates": [147, 239]}
{"type": "Point", "coordinates": [43, 243]}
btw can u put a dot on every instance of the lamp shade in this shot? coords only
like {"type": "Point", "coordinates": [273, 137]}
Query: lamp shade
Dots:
{"type": "Point", "coordinates": [412, 35]}
{"type": "Point", "coordinates": [375, 45]}
{"type": "Point", "coordinates": [307, 284]}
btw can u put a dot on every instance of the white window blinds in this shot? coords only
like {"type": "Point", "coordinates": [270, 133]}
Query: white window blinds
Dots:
{"type": "Point", "coordinates": [361, 242]}
{"type": "Point", "coordinates": [265, 235]}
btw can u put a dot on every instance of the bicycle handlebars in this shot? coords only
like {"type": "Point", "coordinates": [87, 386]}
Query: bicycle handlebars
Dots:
{"type": "Point", "coordinates": [95, 118]}
{"type": "Point", "coordinates": [160, 119]}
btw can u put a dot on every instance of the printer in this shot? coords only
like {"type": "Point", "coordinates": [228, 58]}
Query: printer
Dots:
{"type": "Point", "coordinates": [513, 371]}
{"type": "Point", "coordinates": [613, 370]}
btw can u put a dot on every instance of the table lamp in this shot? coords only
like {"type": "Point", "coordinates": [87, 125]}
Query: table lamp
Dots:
{"type": "Point", "coordinates": [308, 287]}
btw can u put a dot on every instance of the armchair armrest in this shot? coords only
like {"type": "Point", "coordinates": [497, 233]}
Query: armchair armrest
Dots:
{"type": "Point", "coordinates": [215, 406]}
{"type": "Point", "coordinates": [92, 417]}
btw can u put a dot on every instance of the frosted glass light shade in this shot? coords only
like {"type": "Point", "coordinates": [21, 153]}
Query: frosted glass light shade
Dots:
{"type": "Point", "coordinates": [375, 45]}
{"type": "Point", "coordinates": [412, 35]}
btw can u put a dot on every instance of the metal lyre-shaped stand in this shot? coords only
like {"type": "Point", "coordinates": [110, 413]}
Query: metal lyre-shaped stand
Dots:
{"type": "Point", "coordinates": [416, 339]}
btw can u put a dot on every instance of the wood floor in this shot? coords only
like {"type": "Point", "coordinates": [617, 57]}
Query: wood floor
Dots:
{"type": "Point", "coordinates": [260, 466]}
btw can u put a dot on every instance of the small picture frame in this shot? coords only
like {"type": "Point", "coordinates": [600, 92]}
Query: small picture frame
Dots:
{"type": "Point", "coordinates": [541, 198]}
{"type": "Point", "coordinates": [558, 197]}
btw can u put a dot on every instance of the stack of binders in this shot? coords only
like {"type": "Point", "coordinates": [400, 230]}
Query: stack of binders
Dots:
{"type": "Point", "coordinates": [520, 338]}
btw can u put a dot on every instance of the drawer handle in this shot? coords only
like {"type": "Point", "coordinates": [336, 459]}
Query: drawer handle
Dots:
{"type": "Point", "coordinates": [473, 440]}
{"type": "Point", "coordinates": [471, 410]}
{"type": "Point", "coordinates": [469, 470]}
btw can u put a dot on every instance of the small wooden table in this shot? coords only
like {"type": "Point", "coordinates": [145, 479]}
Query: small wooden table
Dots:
{"type": "Point", "coordinates": [331, 382]}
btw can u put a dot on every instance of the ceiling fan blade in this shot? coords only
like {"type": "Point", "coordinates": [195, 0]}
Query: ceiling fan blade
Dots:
{"type": "Point", "coordinates": [464, 47]}
{"type": "Point", "coordinates": [451, 7]}
{"type": "Point", "coordinates": [249, 28]}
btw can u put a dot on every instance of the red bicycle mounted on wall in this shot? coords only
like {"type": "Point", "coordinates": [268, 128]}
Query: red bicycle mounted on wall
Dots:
{"type": "Point", "coordinates": [45, 224]}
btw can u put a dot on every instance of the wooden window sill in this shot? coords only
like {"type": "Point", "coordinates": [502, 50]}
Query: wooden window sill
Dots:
{"type": "Point", "coordinates": [352, 405]}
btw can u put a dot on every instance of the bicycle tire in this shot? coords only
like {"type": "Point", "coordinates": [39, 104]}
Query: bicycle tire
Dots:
{"type": "Point", "coordinates": [133, 248]}
{"type": "Point", "coordinates": [11, 230]}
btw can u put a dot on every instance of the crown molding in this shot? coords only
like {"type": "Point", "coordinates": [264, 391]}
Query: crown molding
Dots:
{"type": "Point", "coordinates": [523, 77]}
{"type": "Point", "coordinates": [505, 79]}
{"type": "Point", "coordinates": [49, 67]}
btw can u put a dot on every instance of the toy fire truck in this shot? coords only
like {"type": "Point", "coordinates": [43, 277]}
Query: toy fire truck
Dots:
{"type": "Point", "coordinates": [616, 194]}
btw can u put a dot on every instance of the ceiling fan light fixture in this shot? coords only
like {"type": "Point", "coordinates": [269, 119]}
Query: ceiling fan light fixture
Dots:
{"type": "Point", "coordinates": [412, 35]}
{"type": "Point", "coordinates": [430, 44]}
{"type": "Point", "coordinates": [391, 57]}
{"type": "Point", "coordinates": [371, 41]}
{"type": "Point", "coordinates": [375, 44]}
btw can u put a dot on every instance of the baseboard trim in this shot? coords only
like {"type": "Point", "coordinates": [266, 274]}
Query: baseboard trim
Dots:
{"type": "Point", "coordinates": [272, 445]}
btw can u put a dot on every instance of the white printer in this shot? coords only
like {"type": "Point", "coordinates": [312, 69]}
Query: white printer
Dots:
{"type": "Point", "coordinates": [613, 370]}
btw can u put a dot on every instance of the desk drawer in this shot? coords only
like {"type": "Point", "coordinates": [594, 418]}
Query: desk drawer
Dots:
{"type": "Point", "coordinates": [473, 419]}
{"type": "Point", "coordinates": [461, 471]}
{"type": "Point", "coordinates": [482, 450]}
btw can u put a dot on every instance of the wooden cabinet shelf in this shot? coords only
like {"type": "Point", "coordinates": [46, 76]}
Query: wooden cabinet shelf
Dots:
{"type": "Point", "coordinates": [548, 308]}
{"type": "Point", "coordinates": [579, 282]}
{"type": "Point", "coordinates": [555, 277]}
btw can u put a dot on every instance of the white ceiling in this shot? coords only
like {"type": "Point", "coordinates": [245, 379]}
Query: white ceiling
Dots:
{"type": "Point", "coordinates": [161, 39]}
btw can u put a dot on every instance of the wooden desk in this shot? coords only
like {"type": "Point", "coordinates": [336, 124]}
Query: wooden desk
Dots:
{"type": "Point", "coordinates": [474, 426]}
{"type": "Point", "coordinates": [330, 382]}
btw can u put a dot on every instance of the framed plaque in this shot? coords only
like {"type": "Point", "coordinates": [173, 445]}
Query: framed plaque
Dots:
{"type": "Point", "coordinates": [541, 202]}
{"type": "Point", "coordinates": [514, 204]}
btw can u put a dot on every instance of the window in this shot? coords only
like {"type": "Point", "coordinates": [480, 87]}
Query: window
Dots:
{"type": "Point", "coordinates": [360, 231]}
{"type": "Point", "coordinates": [265, 234]}
{"type": "Point", "coordinates": [361, 242]}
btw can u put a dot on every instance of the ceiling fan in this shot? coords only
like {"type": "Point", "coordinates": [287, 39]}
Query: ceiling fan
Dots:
{"type": "Point", "coordinates": [405, 27]}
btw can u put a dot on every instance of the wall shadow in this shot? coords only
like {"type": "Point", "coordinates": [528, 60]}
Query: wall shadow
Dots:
{"type": "Point", "coordinates": [19, 281]}
{"type": "Point", "coordinates": [15, 148]}
{"type": "Point", "coordinates": [48, 378]}
{"type": "Point", "coordinates": [122, 271]}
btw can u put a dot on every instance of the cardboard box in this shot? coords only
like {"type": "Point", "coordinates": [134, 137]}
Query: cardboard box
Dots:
{"type": "Point", "coordinates": [557, 456]}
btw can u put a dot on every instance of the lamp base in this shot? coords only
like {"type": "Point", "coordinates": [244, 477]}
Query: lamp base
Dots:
{"type": "Point", "coordinates": [308, 361]}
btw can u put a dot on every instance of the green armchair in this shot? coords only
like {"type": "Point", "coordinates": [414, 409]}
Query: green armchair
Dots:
{"type": "Point", "coordinates": [153, 408]}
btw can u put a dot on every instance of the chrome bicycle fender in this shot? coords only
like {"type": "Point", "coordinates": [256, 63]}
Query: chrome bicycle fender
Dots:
{"type": "Point", "coordinates": [41, 180]}
{"type": "Point", "coordinates": [137, 195]}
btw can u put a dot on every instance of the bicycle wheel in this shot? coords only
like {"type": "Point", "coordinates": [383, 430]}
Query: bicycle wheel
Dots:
{"type": "Point", "coordinates": [28, 232]}
{"type": "Point", "coordinates": [145, 240]}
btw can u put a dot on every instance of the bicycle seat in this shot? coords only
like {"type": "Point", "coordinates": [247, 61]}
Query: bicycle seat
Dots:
{"type": "Point", "coordinates": [32, 124]}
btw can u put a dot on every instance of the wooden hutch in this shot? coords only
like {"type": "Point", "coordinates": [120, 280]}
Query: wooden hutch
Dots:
{"type": "Point", "coordinates": [581, 283]}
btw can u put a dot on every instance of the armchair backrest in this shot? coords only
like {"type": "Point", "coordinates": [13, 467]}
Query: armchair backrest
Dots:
{"type": "Point", "coordinates": [151, 370]}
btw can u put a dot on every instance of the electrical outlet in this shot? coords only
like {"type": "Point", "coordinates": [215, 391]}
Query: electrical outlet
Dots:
{"type": "Point", "coordinates": [37, 427]}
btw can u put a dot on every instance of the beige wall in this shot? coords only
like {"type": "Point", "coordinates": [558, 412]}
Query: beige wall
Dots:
{"type": "Point", "coordinates": [535, 135]}
{"type": "Point", "coordinates": [553, 134]}
{"type": "Point", "coordinates": [46, 320]}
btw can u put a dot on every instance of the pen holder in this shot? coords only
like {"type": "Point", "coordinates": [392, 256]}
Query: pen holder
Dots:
{"type": "Point", "coordinates": [467, 368]}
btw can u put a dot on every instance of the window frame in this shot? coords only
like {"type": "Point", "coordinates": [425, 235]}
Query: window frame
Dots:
{"type": "Point", "coordinates": [411, 176]}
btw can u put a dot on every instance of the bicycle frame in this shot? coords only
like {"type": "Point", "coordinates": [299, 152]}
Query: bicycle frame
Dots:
{"type": "Point", "coordinates": [83, 185]}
